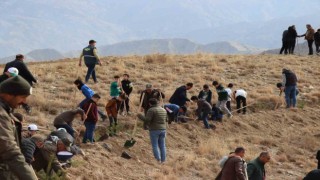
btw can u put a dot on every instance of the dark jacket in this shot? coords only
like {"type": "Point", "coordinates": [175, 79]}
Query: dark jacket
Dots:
{"type": "Point", "coordinates": [88, 54]}
{"type": "Point", "coordinates": [289, 78]}
{"type": "Point", "coordinates": [28, 148]}
{"type": "Point", "coordinates": [3, 77]}
{"type": "Point", "coordinates": [156, 118]}
{"type": "Point", "coordinates": [23, 70]}
{"type": "Point", "coordinates": [179, 97]}
{"type": "Point", "coordinates": [292, 34]}
{"type": "Point", "coordinates": [205, 95]}
{"type": "Point", "coordinates": [233, 169]}
{"type": "Point", "coordinates": [203, 106]}
{"type": "Point", "coordinates": [256, 170]}
{"type": "Point", "coordinates": [285, 35]}
{"type": "Point", "coordinates": [147, 96]}
{"type": "Point", "coordinates": [127, 86]}
{"type": "Point", "coordinates": [67, 117]}
{"type": "Point", "coordinates": [12, 161]}
{"type": "Point", "coordinates": [313, 175]}
{"type": "Point", "coordinates": [317, 38]}
{"type": "Point", "coordinates": [93, 111]}
{"type": "Point", "coordinates": [222, 93]}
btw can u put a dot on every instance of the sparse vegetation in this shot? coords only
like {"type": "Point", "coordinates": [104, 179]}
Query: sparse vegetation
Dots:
{"type": "Point", "coordinates": [193, 152]}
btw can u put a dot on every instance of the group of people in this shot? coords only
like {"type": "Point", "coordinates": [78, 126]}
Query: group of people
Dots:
{"type": "Point", "coordinates": [21, 155]}
{"type": "Point", "coordinates": [289, 39]}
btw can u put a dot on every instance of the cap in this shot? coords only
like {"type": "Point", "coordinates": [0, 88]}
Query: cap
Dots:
{"type": "Point", "coordinates": [16, 86]}
{"type": "Point", "coordinates": [92, 41]}
{"type": "Point", "coordinates": [33, 127]}
{"type": "Point", "coordinates": [13, 71]}
{"type": "Point", "coordinates": [149, 86]}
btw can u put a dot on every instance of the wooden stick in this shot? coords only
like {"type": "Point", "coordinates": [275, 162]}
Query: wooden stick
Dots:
{"type": "Point", "coordinates": [136, 123]}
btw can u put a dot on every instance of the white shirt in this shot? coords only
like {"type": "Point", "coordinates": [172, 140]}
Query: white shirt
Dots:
{"type": "Point", "coordinates": [229, 91]}
{"type": "Point", "coordinates": [241, 92]}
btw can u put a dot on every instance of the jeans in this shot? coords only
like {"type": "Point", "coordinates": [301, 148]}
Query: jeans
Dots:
{"type": "Point", "coordinates": [290, 95]}
{"type": "Point", "coordinates": [88, 135]}
{"type": "Point", "coordinates": [241, 100]}
{"type": "Point", "coordinates": [204, 118]}
{"type": "Point", "coordinates": [310, 42]}
{"type": "Point", "coordinates": [91, 71]}
{"type": "Point", "coordinates": [158, 142]}
{"type": "Point", "coordinates": [68, 128]}
{"type": "Point", "coordinates": [222, 105]}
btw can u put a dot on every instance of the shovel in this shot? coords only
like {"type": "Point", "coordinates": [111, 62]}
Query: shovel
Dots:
{"type": "Point", "coordinates": [130, 143]}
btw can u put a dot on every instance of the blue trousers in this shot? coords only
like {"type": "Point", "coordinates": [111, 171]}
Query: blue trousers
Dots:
{"type": "Point", "coordinates": [91, 71]}
{"type": "Point", "coordinates": [89, 133]}
{"type": "Point", "coordinates": [290, 95]}
{"type": "Point", "coordinates": [158, 142]}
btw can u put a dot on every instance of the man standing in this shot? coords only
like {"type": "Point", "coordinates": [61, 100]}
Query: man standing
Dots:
{"type": "Point", "coordinates": [179, 97]}
{"type": "Point", "coordinates": [289, 86]}
{"type": "Point", "coordinates": [234, 167]}
{"type": "Point", "coordinates": [284, 42]}
{"type": "Point", "coordinates": [256, 169]}
{"type": "Point", "coordinates": [309, 37]}
{"type": "Point", "coordinates": [292, 35]}
{"type": "Point", "coordinates": [23, 72]}
{"type": "Point", "coordinates": [317, 41]}
{"type": "Point", "coordinates": [127, 87]}
{"type": "Point", "coordinates": [150, 93]}
{"type": "Point", "coordinates": [91, 58]}
{"type": "Point", "coordinates": [206, 93]}
{"type": "Point", "coordinates": [13, 92]}
{"type": "Point", "coordinates": [156, 119]}
{"type": "Point", "coordinates": [222, 98]}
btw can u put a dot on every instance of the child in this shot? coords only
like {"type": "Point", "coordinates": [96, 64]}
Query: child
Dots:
{"type": "Point", "coordinates": [91, 109]}
{"type": "Point", "coordinates": [127, 88]}
{"type": "Point", "coordinates": [203, 110]}
{"type": "Point", "coordinates": [88, 93]}
{"type": "Point", "coordinates": [229, 91]}
{"type": "Point", "coordinates": [241, 97]}
{"type": "Point", "coordinates": [115, 89]}
{"type": "Point", "coordinates": [112, 108]}
{"type": "Point", "coordinates": [205, 94]}
{"type": "Point", "coordinates": [222, 98]}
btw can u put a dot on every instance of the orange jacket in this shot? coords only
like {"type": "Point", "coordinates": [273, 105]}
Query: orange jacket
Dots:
{"type": "Point", "coordinates": [112, 108]}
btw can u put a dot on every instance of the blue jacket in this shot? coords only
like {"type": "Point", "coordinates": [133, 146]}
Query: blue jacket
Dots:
{"type": "Point", "coordinates": [179, 97]}
{"type": "Point", "coordinates": [87, 92]}
{"type": "Point", "coordinates": [173, 107]}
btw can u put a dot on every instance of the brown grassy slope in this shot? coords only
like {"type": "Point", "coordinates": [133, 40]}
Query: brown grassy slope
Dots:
{"type": "Point", "coordinates": [193, 153]}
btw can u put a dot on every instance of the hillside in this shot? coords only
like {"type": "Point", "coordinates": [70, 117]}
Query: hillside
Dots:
{"type": "Point", "coordinates": [300, 49]}
{"type": "Point", "coordinates": [193, 152]}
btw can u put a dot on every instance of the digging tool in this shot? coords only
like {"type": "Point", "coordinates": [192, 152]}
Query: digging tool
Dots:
{"type": "Point", "coordinates": [243, 107]}
{"type": "Point", "coordinates": [130, 143]}
{"type": "Point", "coordinates": [162, 105]}
{"type": "Point", "coordinates": [277, 105]}
{"type": "Point", "coordinates": [78, 134]}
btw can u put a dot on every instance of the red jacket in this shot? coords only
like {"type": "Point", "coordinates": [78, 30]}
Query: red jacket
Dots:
{"type": "Point", "coordinates": [93, 111]}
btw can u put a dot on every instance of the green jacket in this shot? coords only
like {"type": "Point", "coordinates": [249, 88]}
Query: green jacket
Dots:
{"type": "Point", "coordinates": [156, 118]}
{"type": "Point", "coordinates": [114, 89]}
{"type": "Point", "coordinates": [12, 161]}
{"type": "Point", "coordinates": [256, 170]}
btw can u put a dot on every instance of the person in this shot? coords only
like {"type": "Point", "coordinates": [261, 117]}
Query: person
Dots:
{"type": "Point", "coordinates": [309, 37]}
{"type": "Point", "coordinates": [229, 91]}
{"type": "Point", "coordinates": [90, 122]}
{"type": "Point", "coordinates": [216, 113]}
{"type": "Point", "coordinates": [149, 93]}
{"type": "Point", "coordinates": [284, 42]}
{"type": "Point", "coordinates": [224, 159]}
{"type": "Point", "coordinates": [179, 97]}
{"type": "Point", "coordinates": [318, 159]}
{"type": "Point", "coordinates": [317, 41]}
{"type": "Point", "coordinates": [156, 119]}
{"type": "Point", "coordinates": [91, 58]}
{"type": "Point", "coordinates": [65, 119]}
{"type": "Point", "coordinates": [256, 170]}
{"type": "Point", "coordinates": [174, 111]}
{"type": "Point", "coordinates": [45, 157]}
{"type": "Point", "coordinates": [112, 108]}
{"type": "Point", "coordinates": [206, 93]}
{"type": "Point", "coordinates": [292, 36]}
{"type": "Point", "coordinates": [13, 92]}
{"type": "Point", "coordinates": [203, 110]}
{"type": "Point", "coordinates": [313, 175]}
{"type": "Point", "coordinates": [279, 86]}
{"type": "Point", "coordinates": [289, 86]}
{"type": "Point", "coordinates": [240, 96]}
{"type": "Point", "coordinates": [12, 72]}
{"type": "Point", "coordinates": [32, 130]}
{"type": "Point", "coordinates": [222, 98]}
{"type": "Point", "coordinates": [234, 167]}
{"type": "Point", "coordinates": [88, 93]}
{"type": "Point", "coordinates": [127, 88]}
{"type": "Point", "coordinates": [115, 89]}
{"type": "Point", "coordinates": [29, 146]}
{"type": "Point", "coordinates": [23, 72]}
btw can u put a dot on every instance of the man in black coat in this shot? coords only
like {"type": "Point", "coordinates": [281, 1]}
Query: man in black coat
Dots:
{"type": "Point", "coordinates": [23, 72]}
{"type": "Point", "coordinates": [179, 97]}
{"type": "Point", "coordinates": [127, 88]}
{"type": "Point", "coordinates": [23, 69]}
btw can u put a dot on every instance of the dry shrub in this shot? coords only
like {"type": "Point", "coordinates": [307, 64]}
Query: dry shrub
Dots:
{"type": "Point", "coordinates": [156, 59]}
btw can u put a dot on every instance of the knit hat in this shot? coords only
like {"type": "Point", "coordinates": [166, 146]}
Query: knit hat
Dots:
{"type": "Point", "coordinates": [13, 71]}
{"type": "Point", "coordinates": [16, 86]}
{"type": "Point", "coordinates": [149, 86]}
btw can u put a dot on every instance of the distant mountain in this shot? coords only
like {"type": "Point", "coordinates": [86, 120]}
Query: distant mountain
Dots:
{"type": "Point", "coordinates": [38, 55]}
{"type": "Point", "coordinates": [300, 49]}
{"type": "Point", "coordinates": [67, 25]}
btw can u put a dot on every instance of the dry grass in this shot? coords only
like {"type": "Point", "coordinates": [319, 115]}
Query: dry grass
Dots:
{"type": "Point", "coordinates": [193, 152]}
